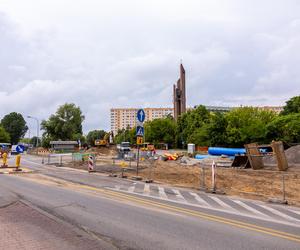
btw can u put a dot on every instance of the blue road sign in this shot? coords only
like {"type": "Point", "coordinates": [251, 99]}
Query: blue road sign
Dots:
{"type": "Point", "coordinates": [139, 131]}
{"type": "Point", "coordinates": [20, 149]}
{"type": "Point", "coordinates": [141, 115]}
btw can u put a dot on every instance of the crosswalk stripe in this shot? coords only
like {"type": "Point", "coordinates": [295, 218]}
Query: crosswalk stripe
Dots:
{"type": "Point", "coordinates": [117, 187]}
{"type": "Point", "coordinates": [222, 203]}
{"type": "Point", "coordinates": [131, 189]}
{"type": "Point", "coordinates": [179, 195]}
{"type": "Point", "coordinates": [274, 211]}
{"type": "Point", "coordinates": [200, 200]}
{"type": "Point", "coordinates": [161, 192]}
{"type": "Point", "coordinates": [294, 211]}
{"type": "Point", "coordinates": [147, 189]}
{"type": "Point", "coordinates": [251, 209]}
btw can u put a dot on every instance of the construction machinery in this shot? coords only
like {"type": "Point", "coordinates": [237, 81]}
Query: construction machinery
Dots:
{"type": "Point", "coordinates": [103, 142]}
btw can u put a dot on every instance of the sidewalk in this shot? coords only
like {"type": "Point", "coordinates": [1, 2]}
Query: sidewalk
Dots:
{"type": "Point", "coordinates": [22, 227]}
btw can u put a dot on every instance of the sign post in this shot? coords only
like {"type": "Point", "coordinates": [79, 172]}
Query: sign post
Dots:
{"type": "Point", "coordinates": [139, 135]}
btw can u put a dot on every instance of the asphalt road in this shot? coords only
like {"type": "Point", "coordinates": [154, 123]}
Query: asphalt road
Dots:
{"type": "Point", "coordinates": [131, 221]}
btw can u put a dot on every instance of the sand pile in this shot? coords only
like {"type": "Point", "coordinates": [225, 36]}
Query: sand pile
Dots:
{"type": "Point", "coordinates": [104, 151]}
{"type": "Point", "coordinates": [292, 155]}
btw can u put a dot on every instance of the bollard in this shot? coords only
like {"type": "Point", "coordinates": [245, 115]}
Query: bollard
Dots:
{"type": "Point", "coordinates": [4, 159]}
{"type": "Point", "coordinates": [18, 163]}
{"type": "Point", "coordinates": [60, 162]}
{"type": "Point", "coordinates": [213, 177]}
{"type": "Point", "coordinates": [123, 165]}
{"type": "Point", "coordinates": [91, 164]}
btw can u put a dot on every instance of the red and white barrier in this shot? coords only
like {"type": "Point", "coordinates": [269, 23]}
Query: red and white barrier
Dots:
{"type": "Point", "coordinates": [91, 163]}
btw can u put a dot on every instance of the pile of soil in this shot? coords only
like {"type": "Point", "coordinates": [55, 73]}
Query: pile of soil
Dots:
{"type": "Point", "coordinates": [103, 151]}
{"type": "Point", "coordinates": [292, 155]}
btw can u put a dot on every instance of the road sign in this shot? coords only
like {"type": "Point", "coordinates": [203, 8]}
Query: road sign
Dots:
{"type": "Point", "coordinates": [141, 115]}
{"type": "Point", "coordinates": [140, 131]}
{"type": "Point", "coordinates": [139, 140]}
{"type": "Point", "coordinates": [19, 149]}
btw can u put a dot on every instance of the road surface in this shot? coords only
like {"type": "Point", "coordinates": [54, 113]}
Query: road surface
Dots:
{"type": "Point", "coordinates": [134, 215]}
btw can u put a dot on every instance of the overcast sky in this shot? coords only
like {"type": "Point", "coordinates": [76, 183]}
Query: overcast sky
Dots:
{"type": "Point", "coordinates": [103, 54]}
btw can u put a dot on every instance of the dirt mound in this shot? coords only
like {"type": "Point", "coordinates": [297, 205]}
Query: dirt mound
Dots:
{"type": "Point", "coordinates": [292, 155]}
{"type": "Point", "coordinates": [107, 151]}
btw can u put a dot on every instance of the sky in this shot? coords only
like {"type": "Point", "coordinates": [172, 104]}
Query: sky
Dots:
{"type": "Point", "coordinates": [109, 54]}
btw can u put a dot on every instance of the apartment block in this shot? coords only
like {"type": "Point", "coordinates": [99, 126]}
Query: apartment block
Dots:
{"type": "Point", "coordinates": [126, 117]}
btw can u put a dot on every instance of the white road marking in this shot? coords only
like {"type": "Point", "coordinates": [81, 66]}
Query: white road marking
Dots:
{"type": "Point", "coordinates": [117, 187]}
{"type": "Point", "coordinates": [222, 203]}
{"type": "Point", "coordinates": [131, 189]}
{"type": "Point", "coordinates": [251, 209]}
{"type": "Point", "coordinates": [274, 211]}
{"type": "Point", "coordinates": [161, 192]}
{"type": "Point", "coordinates": [200, 200]}
{"type": "Point", "coordinates": [179, 195]}
{"type": "Point", "coordinates": [147, 189]}
{"type": "Point", "coordinates": [294, 211]}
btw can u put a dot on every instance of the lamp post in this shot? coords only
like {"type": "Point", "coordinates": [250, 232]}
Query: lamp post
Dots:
{"type": "Point", "coordinates": [37, 128]}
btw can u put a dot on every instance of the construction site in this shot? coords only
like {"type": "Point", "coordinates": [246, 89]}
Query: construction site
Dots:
{"type": "Point", "coordinates": [271, 175]}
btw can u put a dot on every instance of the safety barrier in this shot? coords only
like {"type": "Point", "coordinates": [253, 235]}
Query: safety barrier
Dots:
{"type": "Point", "coordinates": [57, 159]}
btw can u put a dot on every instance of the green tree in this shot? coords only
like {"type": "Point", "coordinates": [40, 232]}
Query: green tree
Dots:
{"type": "Point", "coordinates": [246, 125]}
{"type": "Point", "coordinates": [65, 124]}
{"type": "Point", "coordinates": [161, 130]}
{"type": "Point", "coordinates": [4, 136]}
{"type": "Point", "coordinates": [94, 135]}
{"type": "Point", "coordinates": [190, 127]}
{"type": "Point", "coordinates": [292, 106]}
{"type": "Point", "coordinates": [15, 125]}
{"type": "Point", "coordinates": [285, 128]}
{"type": "Point", "coordinates": [217, 129]}
{"type": "Point", "coordinates": [126, 135]}
{"type": "Point", "coordinates": [34, 141]}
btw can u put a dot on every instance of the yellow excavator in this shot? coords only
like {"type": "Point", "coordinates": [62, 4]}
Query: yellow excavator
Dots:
{"type": "Point", "coordinates": [104, 141]}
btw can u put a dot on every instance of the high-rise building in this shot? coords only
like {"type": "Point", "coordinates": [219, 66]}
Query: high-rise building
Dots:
{"type": "Point", "coordinates": [122, 118]}
{"type": "Point", "coordinates": [276, 109]}
{"type": "Point", "coordinates": [179, 94]}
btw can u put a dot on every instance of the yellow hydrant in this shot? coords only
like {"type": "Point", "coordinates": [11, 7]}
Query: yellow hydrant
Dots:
{"type": "Point", "coordinates": [4, 158]}
{"type": "Point", "coordinates": [18, 161]}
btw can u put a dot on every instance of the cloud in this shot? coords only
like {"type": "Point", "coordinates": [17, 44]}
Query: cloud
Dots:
{"type": "Point", "coordinates": [115, 54]}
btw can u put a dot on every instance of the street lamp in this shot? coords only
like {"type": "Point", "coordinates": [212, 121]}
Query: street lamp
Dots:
{"type": "Point", "coordinates": [37, 128]}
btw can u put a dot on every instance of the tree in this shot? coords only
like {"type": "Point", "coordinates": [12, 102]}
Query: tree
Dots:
{"type": "Point", "coordinates": [94, 135]}
{"type": "Point", "coordinates": [189, 126]}
{"type": "Point", "coordinates": [292, 106]}
{"type": "Point", "coordinates": [4, 136]}
{"type": "Point", "coordinates": [217, 129]}
{"type": "Point", "coordinates": [125, 135]}
{"type": "Point", "coordinates": [15, 125]}
{"type": "Point", "coordinates": [161, 130]}
{"type": "Point", "coordinates": [65, 124]}
{"type": "Point", "coordinates": [246, 125]}
{"type": "Point", "coordinates": [285, 128]}
{"type": "Point", "coordinates": [34, 141]}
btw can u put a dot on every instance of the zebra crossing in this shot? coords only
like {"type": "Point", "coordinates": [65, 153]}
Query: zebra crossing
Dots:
{"type": "Point", "coordinates": [254, 209]}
